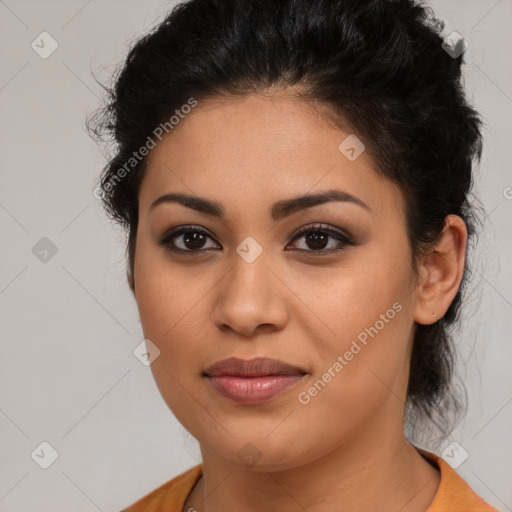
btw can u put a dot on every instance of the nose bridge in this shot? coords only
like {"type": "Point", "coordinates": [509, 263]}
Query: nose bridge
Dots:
{"type": "Point", "coordinates": [249, 275]}
{"type": "Point", "coordinates": [247, 297]}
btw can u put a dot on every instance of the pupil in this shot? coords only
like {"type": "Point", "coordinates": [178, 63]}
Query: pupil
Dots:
{"type": "Point", "coordinates": [196, 240]}
{"type": "Point", "coordinates": [317, 240]}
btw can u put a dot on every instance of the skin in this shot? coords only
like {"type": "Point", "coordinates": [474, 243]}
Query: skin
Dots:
{"type": "Point", "coordinates": [345, 448]}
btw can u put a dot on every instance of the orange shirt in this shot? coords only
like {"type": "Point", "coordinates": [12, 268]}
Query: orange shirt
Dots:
{"type": "Point", "coordinates": [453, 495]}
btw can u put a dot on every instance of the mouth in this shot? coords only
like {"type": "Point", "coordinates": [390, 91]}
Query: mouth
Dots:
{"type": "Point", "coordinates": [252, 381]}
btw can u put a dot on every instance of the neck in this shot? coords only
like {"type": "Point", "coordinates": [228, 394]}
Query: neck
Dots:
{"type": "Point", "coordinates": [369, 472]}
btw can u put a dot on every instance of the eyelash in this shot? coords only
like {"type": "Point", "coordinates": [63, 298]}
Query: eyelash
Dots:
{"type": "Point", "coordinates": [344, 239]}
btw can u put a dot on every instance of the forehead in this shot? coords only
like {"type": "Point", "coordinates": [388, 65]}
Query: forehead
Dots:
{"type": "Point", "coordinates": [258, 148]}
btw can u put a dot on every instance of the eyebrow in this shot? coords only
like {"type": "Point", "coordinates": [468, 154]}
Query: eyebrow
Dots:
{"type": "Point", "coordinates": [278, 210]}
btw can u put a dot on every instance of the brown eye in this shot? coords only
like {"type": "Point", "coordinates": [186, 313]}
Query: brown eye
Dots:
{"type": "Point", "coordinates": [186, 239]}
{"type": "Point", "coordinates": [316, 239]}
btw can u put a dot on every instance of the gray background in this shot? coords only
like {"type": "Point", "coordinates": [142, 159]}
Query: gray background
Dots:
{"type": "Point", "coordinates": [69, 324]}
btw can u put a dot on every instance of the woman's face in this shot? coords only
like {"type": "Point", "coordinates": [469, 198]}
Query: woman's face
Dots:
{"type": "Point", "coordinates": [339, 305]}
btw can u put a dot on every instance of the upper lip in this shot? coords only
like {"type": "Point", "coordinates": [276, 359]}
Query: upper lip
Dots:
{"type": "Point", "coordinates": [256, 367]}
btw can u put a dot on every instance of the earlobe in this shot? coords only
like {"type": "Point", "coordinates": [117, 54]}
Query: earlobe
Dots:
{"type": "Point", "coordinates": [441, 272]}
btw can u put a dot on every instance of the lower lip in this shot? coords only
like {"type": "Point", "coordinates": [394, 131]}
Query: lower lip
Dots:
{"type": "Point", "coordinates": [253, 390]}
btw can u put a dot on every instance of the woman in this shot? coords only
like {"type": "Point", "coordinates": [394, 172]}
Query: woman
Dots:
{"type": "Point", "coordinates": [294, 177]}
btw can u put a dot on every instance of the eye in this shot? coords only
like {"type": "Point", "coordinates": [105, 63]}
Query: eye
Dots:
{"type": "Point", "coordinates": [188, 239]}
{"type": "Point", "coordinates": [317, 237]}
{"type": "Point", "coordinates": [193, 239]}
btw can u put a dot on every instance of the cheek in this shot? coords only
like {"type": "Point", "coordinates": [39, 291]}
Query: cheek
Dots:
{"type": "Point", "coordinates": [167, 295]}
{"type": "Point", "coordinates": [363, 358]}
{"type": "Point", "coordinates": [362, 372]}
{"type": "Point", "coordinates": [174, 310]}
{"type": "Point", "coordinates": [171, 314]}
{"type": "Point", "coordinates": [355, 297]}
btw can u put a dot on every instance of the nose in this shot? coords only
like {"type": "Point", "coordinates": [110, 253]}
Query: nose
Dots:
{"type": "Point", "coordinates": [251, 298]}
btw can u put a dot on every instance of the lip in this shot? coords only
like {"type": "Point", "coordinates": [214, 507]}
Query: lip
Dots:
{"type": "Point", "coordinates": [252, 381]}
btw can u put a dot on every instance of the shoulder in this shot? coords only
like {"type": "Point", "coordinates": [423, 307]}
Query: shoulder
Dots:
{"type": "Point", "coordinates": [454, 493]}
{"type": "Point", "coordinates": [171, 496]}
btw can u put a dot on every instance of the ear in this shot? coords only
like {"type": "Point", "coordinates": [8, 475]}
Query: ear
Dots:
{"type": "Point", "coordinates": [440, 272]}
